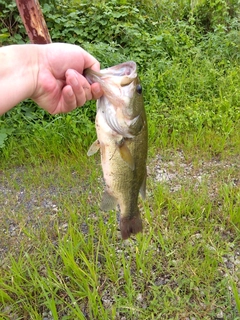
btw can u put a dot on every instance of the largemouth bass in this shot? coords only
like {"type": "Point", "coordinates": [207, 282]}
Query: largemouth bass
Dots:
{"type": "Point", "coordinates": [122, 138]}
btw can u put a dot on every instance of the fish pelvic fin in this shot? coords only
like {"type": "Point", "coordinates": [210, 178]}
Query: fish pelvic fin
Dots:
{"type": "Point", "coordinates": [94, 148]}
{"type": "Point", "coordinates": [129, 226]}
{"type": "Point", "coordinates": [126, 154]}
{"type": "Point", "coordinates": [108, 202]}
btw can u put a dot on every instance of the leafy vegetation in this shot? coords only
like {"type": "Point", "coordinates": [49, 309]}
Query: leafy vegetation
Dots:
{"type": "Point", "coordinates": [61, 257]}
{"type": "Point", "coordinates": [189, 70]}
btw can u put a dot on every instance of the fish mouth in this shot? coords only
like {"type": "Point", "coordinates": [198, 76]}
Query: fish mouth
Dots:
{"type": "Point", "coordinates": [126, 71]}
{"type": "Point", "coordinates": [123, 73]}
{"type": "Point", "coordinates": [123, 69]}
{"type": "Point", "coordinates": [118, 85]}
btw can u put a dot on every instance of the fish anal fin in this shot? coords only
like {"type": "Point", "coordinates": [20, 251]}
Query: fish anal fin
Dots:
{"type": "Point", "coordinates": [108, 202]}
{"type": "Point", "coordinates": [130, 226]}
{"type": "Point", "coordinates": [94, 148]}
{"type": "Point", "coordinates": [126, 154]}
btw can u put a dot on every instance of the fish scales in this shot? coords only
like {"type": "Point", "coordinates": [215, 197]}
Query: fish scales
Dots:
{"type": "Point", "coordinates": [122, 138]}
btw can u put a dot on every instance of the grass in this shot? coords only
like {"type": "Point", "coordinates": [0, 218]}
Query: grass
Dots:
{"type": "Point", "coordinates": [62, 258]}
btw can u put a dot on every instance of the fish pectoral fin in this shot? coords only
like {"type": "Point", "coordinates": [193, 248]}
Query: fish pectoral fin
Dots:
{"type": "Point", "coordinates": [126, 154]}
{"type": "Point", "coordinates": [108, 202]}
{"type": "Point", "coordinates": [94, 148]}
{"type": "Point", "coordinates": [143, 188]}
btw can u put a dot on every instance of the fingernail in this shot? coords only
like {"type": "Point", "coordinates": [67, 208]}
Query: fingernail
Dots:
{"type": "Point", "coordinates": [70, 92]}
{"type": "Point", "coordinates": [74, 81]}
{"type": "Point", "coordinates": [96, 88]}
{"type": "Point", "coordinates": [97, 92]}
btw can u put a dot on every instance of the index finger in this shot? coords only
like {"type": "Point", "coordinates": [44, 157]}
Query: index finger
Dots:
{"type": "Point", "coordinates": [62, 57]}
{"type": "Point", "coordinates": [90, 61]}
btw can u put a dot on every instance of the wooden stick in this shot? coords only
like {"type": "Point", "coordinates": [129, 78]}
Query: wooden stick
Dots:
{"type": "Point", "coordinates": [34, 22]}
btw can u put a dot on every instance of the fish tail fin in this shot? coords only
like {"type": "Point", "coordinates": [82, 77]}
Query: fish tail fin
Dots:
{"type": "Point", "coordinates": [130, 226]}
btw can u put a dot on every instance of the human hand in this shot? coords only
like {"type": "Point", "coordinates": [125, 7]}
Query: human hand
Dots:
{"type": "Point", "coordinates": [60, 86]}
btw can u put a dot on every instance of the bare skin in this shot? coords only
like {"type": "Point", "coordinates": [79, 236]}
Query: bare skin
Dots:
{"type": "Point", "coordinates": [50, 74]}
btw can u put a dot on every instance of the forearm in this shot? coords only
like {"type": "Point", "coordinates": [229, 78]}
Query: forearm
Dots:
{"type": "Point", "coordinates": [18, 74]}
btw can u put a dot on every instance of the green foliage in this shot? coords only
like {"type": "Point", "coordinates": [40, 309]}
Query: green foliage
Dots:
{"type": "Point", "coordinates": [209, 14]}
{"type": "Point", "coordinates": [4, 133]}
{"type": "Point", "coordinates": [65, 259]}
{"type": "Point", "coordinates": [11, 29]}
{"type": "Point", "coordinates": [188, 56]}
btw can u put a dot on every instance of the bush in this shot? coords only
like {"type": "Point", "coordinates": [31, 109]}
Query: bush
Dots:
{"type": "Point", "coordinates": [11, 29]}
{"type": "Point", "coordinates": [187, 58]}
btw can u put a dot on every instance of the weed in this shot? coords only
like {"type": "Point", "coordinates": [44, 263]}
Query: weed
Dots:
{"type": "Point", "coordinates": [61, 258]}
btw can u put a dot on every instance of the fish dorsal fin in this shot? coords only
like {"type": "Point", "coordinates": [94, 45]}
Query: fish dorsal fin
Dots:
{"type": "Point", "coordinates": [108, 202]}
{"type": "Point", "coordinates": [126, 154]}
{"type": "Point", "coordinates": [94, 148]}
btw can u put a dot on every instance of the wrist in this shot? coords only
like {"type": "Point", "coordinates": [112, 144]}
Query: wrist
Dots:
{"type": "Point", "coordinates": [18, 74]}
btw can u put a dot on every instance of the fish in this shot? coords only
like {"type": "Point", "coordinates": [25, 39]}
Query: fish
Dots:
{"type": "Point", "coordinates": [122, 138]}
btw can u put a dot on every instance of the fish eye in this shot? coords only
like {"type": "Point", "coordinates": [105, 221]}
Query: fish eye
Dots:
{"type": "Point", "coordinates": [139, 88]}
